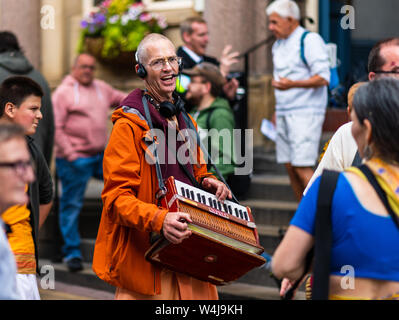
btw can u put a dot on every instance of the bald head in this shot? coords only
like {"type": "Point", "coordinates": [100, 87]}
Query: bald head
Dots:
{"type": "Point", "coordinates": [149, 40]}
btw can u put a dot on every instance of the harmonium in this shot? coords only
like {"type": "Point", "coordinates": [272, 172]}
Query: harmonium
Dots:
{"type": "Point", "coordinates": [224, 244]}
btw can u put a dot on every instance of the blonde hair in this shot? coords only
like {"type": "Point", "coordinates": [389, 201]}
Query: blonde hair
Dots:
{"type": "Point", "coordinates": [351, 94]}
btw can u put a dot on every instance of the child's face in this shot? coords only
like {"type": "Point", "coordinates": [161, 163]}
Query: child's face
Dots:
{"type": "Point", "coordinates": [28, 114]}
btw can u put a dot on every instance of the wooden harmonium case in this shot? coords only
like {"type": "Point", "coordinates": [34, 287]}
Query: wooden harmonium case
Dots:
{"type": "Point", "coordinates": [224, 244]}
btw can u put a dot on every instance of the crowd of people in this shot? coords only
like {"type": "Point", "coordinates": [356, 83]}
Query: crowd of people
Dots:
{"type": "Point", "coordinates": [184, 89]}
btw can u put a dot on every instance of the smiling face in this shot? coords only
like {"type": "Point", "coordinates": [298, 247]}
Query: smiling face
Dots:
{"type": "Point", "coordinates": [28, 114]}
{"type": "Point", "coordinates": [161, 83]}
{"type": "Point", "coordinates": [198, 40]}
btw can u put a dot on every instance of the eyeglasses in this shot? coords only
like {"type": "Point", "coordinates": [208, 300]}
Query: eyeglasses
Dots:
{"type": "Point", "coordinates": [160, 63]}
{"type": "Point", "coordinates": [20, 167]}
{"type": "Point", "coordinates": [86, 66]}
{"type": "Point", "coordinates": [387, 72]}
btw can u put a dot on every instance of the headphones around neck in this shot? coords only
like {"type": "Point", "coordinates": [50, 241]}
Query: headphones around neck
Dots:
{"type": "Point", "coordinates": [168, 109]}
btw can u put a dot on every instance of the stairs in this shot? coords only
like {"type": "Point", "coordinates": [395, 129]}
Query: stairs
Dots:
{"type": "Point", "coordinates": [270, 198]}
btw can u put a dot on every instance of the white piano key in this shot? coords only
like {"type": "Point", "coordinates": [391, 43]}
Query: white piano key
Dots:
{"type": "Point", "coordinates": [210, 200]}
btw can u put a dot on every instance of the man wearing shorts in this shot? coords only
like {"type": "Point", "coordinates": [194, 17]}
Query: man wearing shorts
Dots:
{"type": "Point", "coordinates": [300, 92]}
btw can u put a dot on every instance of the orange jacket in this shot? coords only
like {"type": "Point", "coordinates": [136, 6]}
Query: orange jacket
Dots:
{"type": "Point", "coordinates": [129, 211]}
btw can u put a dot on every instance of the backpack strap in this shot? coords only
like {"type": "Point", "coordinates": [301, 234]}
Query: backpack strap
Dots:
{"type": "Point", "coordinates": [381, 193]}
{"type": "Point", "coordinates": [323, 236]}
{"type": "Point", "coordinates": [321, 252]}
{"type": "Point", "coordinates": [158, 170]}
{"type": "Point", "coordinates": [303, 47]}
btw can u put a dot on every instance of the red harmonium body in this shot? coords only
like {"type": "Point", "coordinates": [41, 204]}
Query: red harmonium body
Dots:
{"type": "Point", "coordinates": [224, 244]}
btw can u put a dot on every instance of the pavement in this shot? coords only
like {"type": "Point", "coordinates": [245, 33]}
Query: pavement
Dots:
{"type": "Point", "coordinates": [85, 285]}
{"type": "Point", "coordinates": [63, 291]}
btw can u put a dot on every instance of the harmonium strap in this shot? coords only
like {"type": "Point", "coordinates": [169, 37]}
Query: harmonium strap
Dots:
{"type": "Point", "coordinates": [224, 244]}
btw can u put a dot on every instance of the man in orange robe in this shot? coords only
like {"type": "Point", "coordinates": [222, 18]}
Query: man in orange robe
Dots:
{"type": "Point", "coordinates": [130, 213]}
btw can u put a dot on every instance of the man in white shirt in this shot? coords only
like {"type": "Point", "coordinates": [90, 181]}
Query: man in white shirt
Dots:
{"type": "Point", "coordinates": [300, 92]}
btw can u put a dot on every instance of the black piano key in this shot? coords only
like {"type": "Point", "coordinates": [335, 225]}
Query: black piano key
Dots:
{"type": "Point", "coordinates": [225, 207]}
{"type": "Point", "coordinates": [203, 200]}
{"type": "Point", "coordinates": [229, 209]}
{"type": "Point", "coordinates": [219, 205]}
{"type": "Point", "coordinates": [214, 204]}
{"type": "Point", "coordinates": [199, 197]}
{"type": "Point", "coordinates": [210, 202]}
{"type": "Point", "coordinates": [187, 193]}
{"type": "Point", "coordinates": [236, 212]}
{"type": "Point", "coordinates": [241, 215]}
{"type": "Point", "coordinates": [246, 216]}
{"type": "Point", "coordinates": [192, 195]}
{"type": "Point", "coordinates": [183, 192]}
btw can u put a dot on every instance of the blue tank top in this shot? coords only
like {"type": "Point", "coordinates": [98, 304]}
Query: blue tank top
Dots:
{"type": "Point", "coordinates": [361, 239]}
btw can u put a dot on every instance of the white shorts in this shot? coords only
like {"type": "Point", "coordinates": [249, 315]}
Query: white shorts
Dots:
{"type": "Point", "coordinates": [298, 138]}
{"type": "Point", "coordinates": [27, 287]}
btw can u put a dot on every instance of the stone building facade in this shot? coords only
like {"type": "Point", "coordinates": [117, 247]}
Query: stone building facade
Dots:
{"type": "Point", "coordinates": [48, 31]}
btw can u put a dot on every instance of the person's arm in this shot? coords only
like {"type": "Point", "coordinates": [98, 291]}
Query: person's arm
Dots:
{"type": "Point", "coordinates": [117, 97]}
{"type": "Point", "coordinates": [227, 59]}
{"type": "Point", "coordinates": [317, 58]}
{"type": "Point", "coordinates": [45, 182]}
{"type": "Point", "coordinates": [44, 210]}
{"type": "Point", "coordinates": [290, 256]}
{"type": "Point", "coordinates": [61, 106]}
{"type": "Point", "coordinates": [123, 179]}
{"type": "Point", "coordinates": [313, 82]}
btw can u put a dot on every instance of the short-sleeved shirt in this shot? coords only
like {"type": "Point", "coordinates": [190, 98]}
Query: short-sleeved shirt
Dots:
{"type": "Point", "coordinates": [340, 153]}
{"type": "Point", "coordinates": [287, 63]}
{"type": "Point", "coordinates": [366, 241]}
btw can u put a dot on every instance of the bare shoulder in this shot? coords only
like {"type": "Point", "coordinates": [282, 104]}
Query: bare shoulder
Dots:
{"type": "Point", "coordinates": [366, 194]}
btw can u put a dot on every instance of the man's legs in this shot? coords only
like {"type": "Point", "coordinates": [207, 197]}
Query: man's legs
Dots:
{"type": "Point", "coordinates": [297, 147]}
{"type": "Point", "coordinates": [299, 178]}
{"type": "Point", "coordinates": [74, 177]}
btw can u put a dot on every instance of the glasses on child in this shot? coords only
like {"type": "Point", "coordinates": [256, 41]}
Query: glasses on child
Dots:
{"type": "Point", "coordinates": [20, 167]}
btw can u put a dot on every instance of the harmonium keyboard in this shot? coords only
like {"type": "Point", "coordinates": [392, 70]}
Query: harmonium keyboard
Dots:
{"type": "Point", "coordinates": [224, 244]}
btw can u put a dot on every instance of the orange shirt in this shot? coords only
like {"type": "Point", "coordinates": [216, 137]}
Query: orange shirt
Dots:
{"type": "Point", "coordinates": [20, 238]}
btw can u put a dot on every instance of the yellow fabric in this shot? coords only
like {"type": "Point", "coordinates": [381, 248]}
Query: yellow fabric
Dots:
{"type": "Point", "coordinates": [324, 150]}
{"type": "Point", "coordinates": [20, 238]}
{"type": "Point", "coordinates": [387, 177]}
{"type": "Point", "coordinates": [394, 296]}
